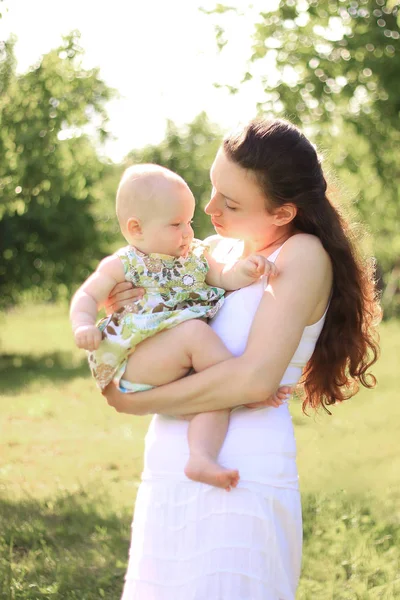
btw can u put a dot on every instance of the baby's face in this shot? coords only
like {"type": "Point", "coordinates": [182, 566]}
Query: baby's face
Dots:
{"type": "Point", "coordinates": [168, 230]}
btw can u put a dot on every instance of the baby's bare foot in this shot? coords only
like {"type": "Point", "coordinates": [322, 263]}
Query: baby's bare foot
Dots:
{"type": "Point", "coordinates": [205, 470]}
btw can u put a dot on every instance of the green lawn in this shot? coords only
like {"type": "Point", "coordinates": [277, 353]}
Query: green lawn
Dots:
{"type": "Point", "coordinates": [70, 468]}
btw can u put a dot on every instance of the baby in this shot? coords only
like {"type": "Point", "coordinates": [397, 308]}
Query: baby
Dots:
{"type": "Point", "coordinates": [183, 286]}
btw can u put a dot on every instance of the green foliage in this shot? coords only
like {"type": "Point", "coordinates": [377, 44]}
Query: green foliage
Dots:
{"type": "Point", "coordinates": [48, 233]}
{"type": "Point", "coordinates": [332, 67]}
{"type": "Point", "coordinates": [188, 151]}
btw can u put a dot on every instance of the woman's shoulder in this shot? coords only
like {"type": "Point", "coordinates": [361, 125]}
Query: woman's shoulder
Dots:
{"type": "Point", "coordinates": [305, 251]}
{"type": "Point", "coordinates": [305, 244]}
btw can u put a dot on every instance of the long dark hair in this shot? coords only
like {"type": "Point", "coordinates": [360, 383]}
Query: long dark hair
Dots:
{"type": "Point", "coordinates": [288, 169]}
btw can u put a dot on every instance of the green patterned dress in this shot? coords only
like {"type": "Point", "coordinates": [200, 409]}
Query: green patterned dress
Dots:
{"type": "Point", "coordinates": [175, 291]}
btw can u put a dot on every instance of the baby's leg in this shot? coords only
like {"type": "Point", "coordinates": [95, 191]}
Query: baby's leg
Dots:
{"type": "Point", "coordinates": [170, 354]}
{"type": "Point", "coordinates": [206, 435]}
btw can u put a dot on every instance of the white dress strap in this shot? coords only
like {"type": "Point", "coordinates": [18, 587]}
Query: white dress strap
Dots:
{"type": "Point", "coordinates": [272, 257]}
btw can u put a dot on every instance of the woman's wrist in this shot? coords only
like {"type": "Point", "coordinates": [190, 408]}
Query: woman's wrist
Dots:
{"type": "Point", "coordinates": [127, 403]}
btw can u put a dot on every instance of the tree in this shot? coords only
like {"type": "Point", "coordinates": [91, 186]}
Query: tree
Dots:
{"type": "Point", "coordinates": [189, 151]}
{"type": "Point", "coordinates": [48, 233]}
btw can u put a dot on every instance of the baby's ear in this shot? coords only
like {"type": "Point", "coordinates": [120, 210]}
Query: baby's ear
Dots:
{"type": "Point", "coordinates": [133, 226]}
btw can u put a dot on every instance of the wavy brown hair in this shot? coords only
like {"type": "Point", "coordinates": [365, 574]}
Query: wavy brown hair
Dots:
{"type": "Point", "coordinates": [288, 170]}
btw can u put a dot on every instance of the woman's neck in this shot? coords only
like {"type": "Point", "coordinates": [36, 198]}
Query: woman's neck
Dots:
{"type": "Point", "coordinates": [267, 245]}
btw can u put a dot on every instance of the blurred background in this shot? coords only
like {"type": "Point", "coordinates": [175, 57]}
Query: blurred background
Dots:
{"type": "Point", "coordinates": [87, 88]}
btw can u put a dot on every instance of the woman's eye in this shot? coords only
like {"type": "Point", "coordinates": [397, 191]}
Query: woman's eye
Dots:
{"type": "Point", "coordinates": [230, 207]}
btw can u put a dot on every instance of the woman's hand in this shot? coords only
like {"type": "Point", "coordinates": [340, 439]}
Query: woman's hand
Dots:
{"type": "Point", "coordinates": [280, 396]}
{"type": "Point", "coordinates": [124, 403]}
{"type": "Point", "coordinates": [122, 294]}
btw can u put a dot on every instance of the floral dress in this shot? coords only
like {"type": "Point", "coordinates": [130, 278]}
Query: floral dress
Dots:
{"type": "Point", "coordinates": [175, 291]}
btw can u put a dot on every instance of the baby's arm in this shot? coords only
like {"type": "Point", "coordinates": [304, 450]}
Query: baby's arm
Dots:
{"type": "Point", "coordinates": [239, 274]}
{"type": "Point", "coordinates": [84, 304]}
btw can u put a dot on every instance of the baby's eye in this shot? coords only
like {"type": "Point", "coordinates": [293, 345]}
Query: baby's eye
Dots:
{"type": "Point", "coordinates": [175, 224]}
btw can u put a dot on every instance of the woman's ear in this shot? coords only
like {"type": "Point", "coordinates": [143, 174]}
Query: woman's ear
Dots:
{"type": "Point", "coordinates": [285, 214]}
{"type": "Point", "coordinates": [133, 226]}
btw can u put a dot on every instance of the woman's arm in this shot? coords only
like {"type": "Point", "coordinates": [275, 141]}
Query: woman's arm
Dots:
{"type": "Point", "coordinates": [289, 303]}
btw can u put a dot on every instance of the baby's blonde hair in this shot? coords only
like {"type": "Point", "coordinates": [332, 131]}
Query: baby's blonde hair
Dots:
{"type": "Point", "coordinates": [139, 189]}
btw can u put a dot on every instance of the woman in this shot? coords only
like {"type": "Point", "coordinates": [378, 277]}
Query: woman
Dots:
{"type": "Point", "coordinates": [191, 541]}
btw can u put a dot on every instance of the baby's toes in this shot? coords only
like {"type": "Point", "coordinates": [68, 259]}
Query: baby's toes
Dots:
{"type": "Point", "coordinates": [235, 479]}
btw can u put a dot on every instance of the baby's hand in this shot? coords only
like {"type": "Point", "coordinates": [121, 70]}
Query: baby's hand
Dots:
{"type": "Point", "coordinates": [87, 337]}
{"type": "Point", "coordinates": [257, 265]}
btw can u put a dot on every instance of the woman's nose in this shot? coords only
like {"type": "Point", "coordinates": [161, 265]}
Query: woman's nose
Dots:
{"type": "Point", "coordinates": [212, 207]}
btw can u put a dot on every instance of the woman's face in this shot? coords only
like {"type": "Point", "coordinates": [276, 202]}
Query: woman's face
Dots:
{"type": "Point", "coordinates": [237, 206]}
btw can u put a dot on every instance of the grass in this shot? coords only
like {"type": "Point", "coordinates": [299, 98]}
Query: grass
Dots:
{"type": "Point", "coordinates": [73, 546]}
{"type": "Point", "coordinates": [70, 469]}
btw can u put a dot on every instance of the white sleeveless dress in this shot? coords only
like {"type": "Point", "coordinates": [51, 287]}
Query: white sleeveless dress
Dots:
{"type": "Point", "coordinates": [192, 541]}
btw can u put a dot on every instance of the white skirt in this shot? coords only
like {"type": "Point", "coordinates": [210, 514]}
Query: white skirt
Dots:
{"type": "Point", "coordinates": [191, 541]}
